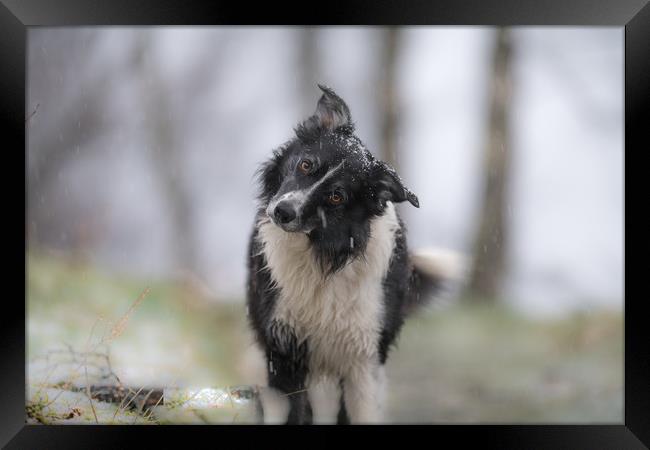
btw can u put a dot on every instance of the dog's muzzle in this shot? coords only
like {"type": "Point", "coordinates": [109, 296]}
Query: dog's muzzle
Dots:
{"type": "Point", "coordinates": [284, 214]}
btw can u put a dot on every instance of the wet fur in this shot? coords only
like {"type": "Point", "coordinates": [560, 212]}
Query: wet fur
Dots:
{"type": "Point", "coordinates": [327, 302]}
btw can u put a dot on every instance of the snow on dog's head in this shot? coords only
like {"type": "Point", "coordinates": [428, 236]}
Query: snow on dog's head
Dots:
{"type": "Point", "coordinates": [325, 183]}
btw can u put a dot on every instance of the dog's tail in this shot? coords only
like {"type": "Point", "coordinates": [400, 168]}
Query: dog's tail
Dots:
{"type": "Point", "coordinates": [433, 271]}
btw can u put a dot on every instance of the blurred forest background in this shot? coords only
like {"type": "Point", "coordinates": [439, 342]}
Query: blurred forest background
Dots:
{"type": "Point", "coordinates": [143, 142]}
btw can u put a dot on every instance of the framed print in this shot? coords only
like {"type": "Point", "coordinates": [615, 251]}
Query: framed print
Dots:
{"type": "Point", "coordinates": [399, 218]}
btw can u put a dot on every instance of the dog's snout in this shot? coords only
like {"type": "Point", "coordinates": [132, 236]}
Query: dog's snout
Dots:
{"type": "Point", "coordinates": [284, 212]}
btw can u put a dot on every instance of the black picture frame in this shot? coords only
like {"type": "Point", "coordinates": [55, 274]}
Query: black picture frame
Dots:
{"type": "Point", "coordinates": [17, 15]}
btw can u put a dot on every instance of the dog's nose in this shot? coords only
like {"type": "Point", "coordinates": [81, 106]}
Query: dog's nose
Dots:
{"type": "Point", "coordinates": [284, 212]}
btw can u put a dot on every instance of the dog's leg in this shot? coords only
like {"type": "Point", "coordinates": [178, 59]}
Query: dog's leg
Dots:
{"type": "Point", "coordinates": [363, 393]}
{"type": "Point", "coordinates": [290, 382]}
{"type": "Point", "coordinates": [342, 418]}
{"type": "Point", "coordinates": [324, 394]}
{"type": "Point", "coordinates": [287, 372]}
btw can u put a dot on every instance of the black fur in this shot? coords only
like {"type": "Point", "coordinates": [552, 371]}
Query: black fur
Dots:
{"type": "Point", "coordinates": [338, 234]}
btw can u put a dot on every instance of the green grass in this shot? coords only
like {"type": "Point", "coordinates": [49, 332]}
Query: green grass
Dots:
{"type": "Point", "coordinates": [487, 364]}
{"type": "Point", "coordinates": [462, 364]}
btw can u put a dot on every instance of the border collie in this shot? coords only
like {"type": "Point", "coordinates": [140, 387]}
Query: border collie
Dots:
{"type": "Point", "coordinates": [330, 279]}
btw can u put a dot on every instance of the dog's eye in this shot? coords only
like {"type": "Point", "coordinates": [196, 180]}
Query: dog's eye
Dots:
{"type": "Point", "coordinates": [305, 166]}
{"type": "Point", "coordinates": [335, 198]}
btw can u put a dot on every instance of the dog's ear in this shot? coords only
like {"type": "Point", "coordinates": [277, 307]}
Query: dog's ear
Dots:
{"type": "Point", "coordinates": [388, 186]}
{"type": "Point", "coordinates": [269, 176]}
{"type": "Point", "coordinates": [332, 114]}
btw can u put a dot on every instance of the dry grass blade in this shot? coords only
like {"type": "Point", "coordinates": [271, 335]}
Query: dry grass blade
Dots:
{"type": "Point", "coordinates": [132, 398]}
{"type": "Point", "coordinates": [296, 392]}
{"type": "Point", "coordinates": [63, 387]}
{"type": "Point", "coordinates": [144, 403]}
{"type": "Point", "coordinates": [201, 416]}
{"type": "Point", "coordinates": [47, 378]}
{"type": "Point", "coordinates": [191, 397]}
{"type": "Point", "coordinates": [119, 407]}
{"type": "Point", "coordinates": [90, 350]}
{"type": "Point", "coordinates": [149, 413]}
{"type": "Point", "coordinates": [90, 399]}
{"type": "Point", "coordinates": [120, 326]}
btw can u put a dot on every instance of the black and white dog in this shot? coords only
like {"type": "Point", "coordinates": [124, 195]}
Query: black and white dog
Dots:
{"type": "Point", "coordinates": [330, 279]}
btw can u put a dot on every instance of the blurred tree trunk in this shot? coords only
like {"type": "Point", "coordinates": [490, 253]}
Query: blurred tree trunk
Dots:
{"type": "Point", "coordinates": [388, 95]}
{"type": "Point", "coordinates": [309, 70]}
{"type": "Point", "coordinates": [491, 242]}
{"type": "Point", "coordinates": [61, 130]}
{"type": "Point", "coordinates": [166, 152]}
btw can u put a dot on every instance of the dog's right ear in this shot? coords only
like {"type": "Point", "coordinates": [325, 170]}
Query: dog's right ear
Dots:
{"type": "Point", "coordinates": [269, 176]}
{"type": "Point", "coordinates": [332, 114]}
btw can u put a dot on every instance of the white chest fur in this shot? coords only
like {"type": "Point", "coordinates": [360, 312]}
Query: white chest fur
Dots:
{"type": "Point", "coordinates": [339, 316]}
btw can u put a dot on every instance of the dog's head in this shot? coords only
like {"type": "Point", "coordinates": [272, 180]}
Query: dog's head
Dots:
{"type": "Point", "coordinates": [324, 182]}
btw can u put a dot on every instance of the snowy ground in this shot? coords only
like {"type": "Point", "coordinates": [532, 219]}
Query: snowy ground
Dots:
{"type": "Point", "coordinates": [457, 364]}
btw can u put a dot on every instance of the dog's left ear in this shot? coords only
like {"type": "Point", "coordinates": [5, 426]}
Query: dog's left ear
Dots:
{"type": "Point", "coordinates": [332, 114]}
{"type": "Point", "coordinates": [388, 186]}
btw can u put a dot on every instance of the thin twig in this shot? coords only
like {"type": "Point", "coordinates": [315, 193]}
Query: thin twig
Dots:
{"type": "Point", "coordinates": [33, 112]}
{"type": "Point", "coordinates": [90, 399]}
{"type": "Point", "coordinates": [61, 391]}
{"type": "Point", "coordinates": [46, 379]}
